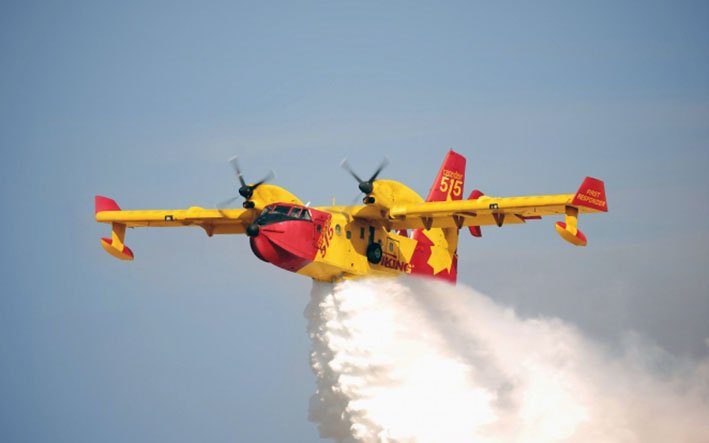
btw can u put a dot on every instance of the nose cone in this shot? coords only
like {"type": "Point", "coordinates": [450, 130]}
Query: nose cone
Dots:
{"type": "Point", "coordinates": [279, 245]}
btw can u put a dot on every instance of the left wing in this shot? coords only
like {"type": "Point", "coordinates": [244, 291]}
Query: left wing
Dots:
{"type": "Point", "coordinates": [213, 221]}
{"type": "Point", "coordinates": [485, 210]}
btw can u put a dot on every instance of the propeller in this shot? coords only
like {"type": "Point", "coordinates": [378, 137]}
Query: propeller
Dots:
{"type": "Point", "coordinates": [245, 190]}
{"type": "Point", "coordinates": [366, 186]}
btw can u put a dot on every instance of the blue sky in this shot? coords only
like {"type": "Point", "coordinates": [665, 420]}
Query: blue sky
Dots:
{"type": "Point", "coordinates": [144, 102]}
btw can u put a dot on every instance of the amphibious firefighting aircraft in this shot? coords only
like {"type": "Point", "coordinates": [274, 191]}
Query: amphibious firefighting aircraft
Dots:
{"type": "Point", "coordinates": [394, 230]}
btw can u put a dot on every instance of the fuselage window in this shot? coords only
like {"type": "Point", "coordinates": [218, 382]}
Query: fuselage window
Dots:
{"type": "Point", "coordinates": [361, 232]}
{"type": "Point", "coordinates": [338, 230]}
{"type": "Point", "coordinates": [349, 235]}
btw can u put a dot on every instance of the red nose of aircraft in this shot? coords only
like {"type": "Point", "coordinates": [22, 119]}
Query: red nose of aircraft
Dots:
{"type": "Point", "coordinates": [288, 244]}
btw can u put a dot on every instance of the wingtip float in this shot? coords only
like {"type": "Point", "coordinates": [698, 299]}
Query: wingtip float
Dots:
{"type": "Point", "coordinates": [103, 206]}
{"type": "Point", "coordinates": [591, 197]}
{"type": "Point", "coordinates": [394, 231]}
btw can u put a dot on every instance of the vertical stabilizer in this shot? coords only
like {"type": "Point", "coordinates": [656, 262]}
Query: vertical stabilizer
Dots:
{"type": "Point", "coordinates": [448, 184]}
{"type": "Point", "coordinates": [436, 249]}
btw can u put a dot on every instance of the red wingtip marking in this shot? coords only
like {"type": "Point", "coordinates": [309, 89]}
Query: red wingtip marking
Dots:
{"type": "Point", "coordinates": [591, 194]}
{"type": "Point", "coordinates": [102, 203]}
{"type": "Point", "coordinates": [125, 254]}
{"type": "Point", "coordinates": [579, 239]}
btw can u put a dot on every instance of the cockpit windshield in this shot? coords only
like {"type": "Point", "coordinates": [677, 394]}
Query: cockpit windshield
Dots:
{"type": "Point", "coordinates": [279, 213]}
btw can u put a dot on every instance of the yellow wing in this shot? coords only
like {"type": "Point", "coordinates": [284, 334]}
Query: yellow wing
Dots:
{"type": "Point", "coordinates": [480, 212]}
{"type": "Point", "coordinates": [486, 210]}
{"type": "Point", "coordinates": [213, 221]}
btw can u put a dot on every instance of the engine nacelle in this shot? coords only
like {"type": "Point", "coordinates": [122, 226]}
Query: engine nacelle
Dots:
{"type": "Point", "coordinates": [265, 194]}
{"type": "Point", "coordinates": [389, 193]}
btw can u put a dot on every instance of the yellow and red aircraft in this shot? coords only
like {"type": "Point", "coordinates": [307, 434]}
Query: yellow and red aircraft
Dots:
{"type": "Point", "coordinates": [394, 230]}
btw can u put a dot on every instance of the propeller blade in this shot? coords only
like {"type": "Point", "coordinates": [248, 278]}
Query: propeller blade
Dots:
{"type": "Point", "coordinates": [235, 164]}
{"type": "Point", "coordinates": [269, 177]}
{"type": "Point", "coordinates": [224, 204]}
{"type": "Point", "coordinates": [346, 166]}
{"type": "Point", "coordinates": [384, 163]}
{"type": "Point", "coordinates": [357, 198]}
{"type": "Point", "coordinates": [367, 187]}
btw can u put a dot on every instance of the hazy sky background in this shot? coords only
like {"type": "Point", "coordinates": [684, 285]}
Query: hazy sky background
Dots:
{"type": "Point", "coordinates": [197, 340]}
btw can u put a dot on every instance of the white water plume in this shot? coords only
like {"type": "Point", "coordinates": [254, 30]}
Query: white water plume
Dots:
{"type": "Point", "coordinates": [422, 361]}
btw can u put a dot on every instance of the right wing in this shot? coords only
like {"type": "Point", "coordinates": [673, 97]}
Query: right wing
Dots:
{"type": "Point", "coordinates": [213, 221]}
{"type": "Point", "coordinates": [486, 210]}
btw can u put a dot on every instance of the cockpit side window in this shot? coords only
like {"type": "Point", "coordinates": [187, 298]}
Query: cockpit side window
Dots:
{"type": "Point", "coordinates": [295, 212]}
{"type": "Point", "coordinates": [305, 215]}
{"type": "Point", "coordinates": [281, 210]}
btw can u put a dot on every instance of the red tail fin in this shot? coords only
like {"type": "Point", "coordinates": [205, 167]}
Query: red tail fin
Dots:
{"type": "Point", "coordinates": [449, 182]}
